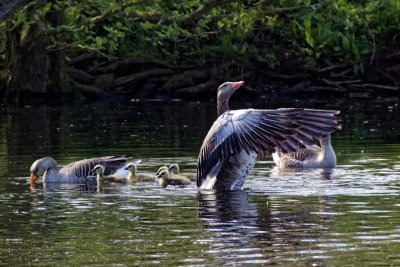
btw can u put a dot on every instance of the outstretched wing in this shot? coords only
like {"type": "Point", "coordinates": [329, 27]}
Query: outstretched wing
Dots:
{"type": "Point", "coordinates": [262, 131]}
{"type": "Point", "coordinates": [83, 168]}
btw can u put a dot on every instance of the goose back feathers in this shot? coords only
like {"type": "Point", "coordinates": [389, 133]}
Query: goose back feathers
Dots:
{"type": "Point", "coordinates": [314, 156]}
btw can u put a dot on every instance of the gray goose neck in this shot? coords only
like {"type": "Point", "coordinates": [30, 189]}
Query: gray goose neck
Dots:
{"type": "Point", "coordinates": [326, 142]}
{"type": "Point", "coordinates": [222, 105]}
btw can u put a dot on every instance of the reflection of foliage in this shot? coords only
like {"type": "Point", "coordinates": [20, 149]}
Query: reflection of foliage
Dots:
{"type": "Point", "coordinates": [327, 32]}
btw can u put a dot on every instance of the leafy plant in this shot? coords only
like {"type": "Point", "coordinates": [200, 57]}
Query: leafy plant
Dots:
{"type": "Point", "coordinates": [233, 32]}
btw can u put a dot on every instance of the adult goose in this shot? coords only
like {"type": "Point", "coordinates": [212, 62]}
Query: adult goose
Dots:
{"type": "Point", "coordinates": [238, 138]}
{"type": "Point", "coordinates": [313, 156]}
{"type": "Point", "coordinates": [135, 177]}
{"type": "Point", "coordinates": [166, 179]}
{"type": "Point", "coordinates": [102, 179]}
{"type": "Point", "coordinates": [76, 172]}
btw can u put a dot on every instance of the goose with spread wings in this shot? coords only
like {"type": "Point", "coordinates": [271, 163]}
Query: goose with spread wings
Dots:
{"type": "Point", "coordinates": [239, 137]}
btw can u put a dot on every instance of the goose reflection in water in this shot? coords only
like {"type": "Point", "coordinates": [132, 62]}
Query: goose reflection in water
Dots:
{"type": "Point", "coordinates": [79, 188]}
{"type": "Point", "coordinates": [232, 223]}
{"type": "Point", "coordinates": [321, 173]}
{"type": "Point", "coordinates": [75, 189]}
{"type": "Point", "coordinates": [256, 230]}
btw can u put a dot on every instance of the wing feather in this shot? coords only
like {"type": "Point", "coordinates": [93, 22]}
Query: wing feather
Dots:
{"type": "Point", "coordinates": [83, 168]}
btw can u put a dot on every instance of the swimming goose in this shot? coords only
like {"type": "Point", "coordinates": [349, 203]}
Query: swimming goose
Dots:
{"type": "Point", "coordinates": [166, 179]}
{"type": "Point", "coordinates": [311, 157]}
{"type": "Point", "coordinates": [238, 138]}
{"type": "Point", "coordinates": [101, 178]}
{"type": "Point", "coordinates": [76, 172]}
{"type": "Point", "coordinates": [174, 169]}
{"type": "Point", "coordinates": [134, 177]}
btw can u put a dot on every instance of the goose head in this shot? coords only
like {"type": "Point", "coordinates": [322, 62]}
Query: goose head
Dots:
{"type": "Point", "coordinates": [99, 169]}
{"type": "Point", "coordinates": [40, 166]}
{"type": "Point", "coordinates": [228, 88]}
{"type": "Point", "coordinates": [225, 91]}
{"type": "Point", "coordinates": [162, 168]}
{"type": "Point", "coordinates": [174, 168]}
{"type": "Point", "coordinates": [164, 174]}
{"type": "Point", "coordinates": [131, 167]}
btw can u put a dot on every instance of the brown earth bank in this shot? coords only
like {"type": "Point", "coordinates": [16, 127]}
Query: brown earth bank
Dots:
{"type": "Point", "coordinates": [92, 77]}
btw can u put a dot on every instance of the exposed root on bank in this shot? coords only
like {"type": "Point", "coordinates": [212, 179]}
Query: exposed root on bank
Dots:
{"type": "Point", "coordinates": [92, 74]}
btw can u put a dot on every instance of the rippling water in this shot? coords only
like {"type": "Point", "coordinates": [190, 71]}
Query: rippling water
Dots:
{"type": "Point", "coordinates": [345, 216]}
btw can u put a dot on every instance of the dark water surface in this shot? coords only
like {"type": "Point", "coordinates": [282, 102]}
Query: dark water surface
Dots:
{"type": "Point", "coordinates": [346, 216]}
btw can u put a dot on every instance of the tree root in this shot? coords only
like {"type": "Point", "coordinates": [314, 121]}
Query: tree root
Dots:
{"type": "Point", "coordinates": [80, 75]}
{"type": "Point", "coordinates": [123, 81]}
{"type": "Point", "coordinates": [184, 80]}
{"type": "Point", "coordinates": [87, 90]}
{"type": "Point", "coordinates": [93, 75]}
{"type": "Point", "coordinates": [377, 86]}
{"type": "Point", "coordinates": [197, 89]}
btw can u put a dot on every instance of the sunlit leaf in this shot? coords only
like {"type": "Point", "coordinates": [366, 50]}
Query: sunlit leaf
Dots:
{"type": "Point", "coordinates": [345, 43]}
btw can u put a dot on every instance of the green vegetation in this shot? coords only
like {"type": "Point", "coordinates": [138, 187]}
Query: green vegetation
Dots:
{"type": "Point", "coordinates": [232, 35]}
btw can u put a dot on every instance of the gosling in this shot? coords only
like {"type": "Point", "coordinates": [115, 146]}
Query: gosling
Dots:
{"type": "Point", "coordinates": [162, 168]}
{"type": "Point", "coordinates": [174, 169]}
{"type": "Point", "coordinates": [165, 179]}
{"type": "Point", "coordinates": [134, 177]}
{"type": "Point", "coordinates": [102, 179]}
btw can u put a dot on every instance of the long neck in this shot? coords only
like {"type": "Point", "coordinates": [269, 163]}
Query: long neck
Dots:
{"type": "Point", "coordinates": [222, 104]}
{"type": "Point", "coordinates": [329, 156]}
{"type": "Point", "coordinates": [52, 175]}
{"type": "Point", "coordinates": [326, 142]}
{"type": "Point", "coordinates": [100, 178]}
{"type": "Point", "coordinates": [132, 176]}
{"type": "Point", "coordinates": [162, 182]}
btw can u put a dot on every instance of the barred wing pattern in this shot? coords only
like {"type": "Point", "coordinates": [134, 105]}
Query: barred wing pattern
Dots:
{"type": "Point", "coordinates": [262, 131]}
{"type": "Point", "coordinates": [83, 169]}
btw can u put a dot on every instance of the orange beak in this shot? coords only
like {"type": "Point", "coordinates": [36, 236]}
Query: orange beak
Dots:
{"type": "Point", "coordinates": [33, 178]}
{"type": "Point", "coordinates": [236, 85]}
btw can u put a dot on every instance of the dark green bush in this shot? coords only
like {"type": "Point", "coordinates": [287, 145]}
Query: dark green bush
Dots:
{"type": "Point", "coordinates": [239, 33]}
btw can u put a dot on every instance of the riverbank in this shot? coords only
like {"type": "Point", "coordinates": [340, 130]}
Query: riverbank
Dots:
{"type": "Point", "coordinates": [97, 50]}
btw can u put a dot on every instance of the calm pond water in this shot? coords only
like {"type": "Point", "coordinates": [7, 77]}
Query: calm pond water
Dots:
{"type": "Point", "coordinates": [346, 216]}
